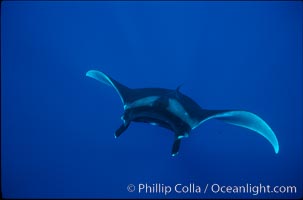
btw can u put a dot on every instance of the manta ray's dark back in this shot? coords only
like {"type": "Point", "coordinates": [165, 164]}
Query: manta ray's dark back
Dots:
{"type": "Point", "coordinates": [177, 112]}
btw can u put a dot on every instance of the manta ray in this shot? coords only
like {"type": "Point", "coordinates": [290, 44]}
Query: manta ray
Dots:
{"type": "Point", "coordinates": [177, 112]}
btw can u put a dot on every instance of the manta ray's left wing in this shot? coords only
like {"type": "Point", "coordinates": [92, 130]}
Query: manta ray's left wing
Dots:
{"type": "Point", "coordinates": [247, 120]}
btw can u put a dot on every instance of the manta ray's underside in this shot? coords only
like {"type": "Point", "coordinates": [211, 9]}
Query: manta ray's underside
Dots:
{"type": "Point", "coordinates": [177, 112]}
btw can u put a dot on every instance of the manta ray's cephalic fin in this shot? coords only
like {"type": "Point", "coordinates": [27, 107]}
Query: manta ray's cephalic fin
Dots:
{"type": "Point", "coordinates": [247, 120]}
{"type": "Point", "coordinates": [176, 147]}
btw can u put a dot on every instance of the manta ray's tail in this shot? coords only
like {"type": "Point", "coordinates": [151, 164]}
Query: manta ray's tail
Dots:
{"type": "Point", "coordinates": [247, 120]}
{"type": "Point", "coordinates": [122, 90]}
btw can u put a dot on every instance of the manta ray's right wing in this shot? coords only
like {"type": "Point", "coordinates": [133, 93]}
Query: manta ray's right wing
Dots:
{"type": "Point", "coordinates": [122, 90]}
{"type": "Point", "coordinates": [247, 120]}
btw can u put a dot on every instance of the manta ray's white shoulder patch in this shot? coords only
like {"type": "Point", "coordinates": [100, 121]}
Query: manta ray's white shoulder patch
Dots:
{"type": "Point", "coordinates": [147, 101]}
{"type": "Point", "coordinates": [177, 109]}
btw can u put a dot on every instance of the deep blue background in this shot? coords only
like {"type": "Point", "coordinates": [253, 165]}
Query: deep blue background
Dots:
{"type": "Point", "coordinates": [58, 125]}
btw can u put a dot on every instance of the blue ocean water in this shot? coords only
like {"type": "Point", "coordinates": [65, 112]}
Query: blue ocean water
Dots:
{"type": "Point", "coordinates": [57, 125]}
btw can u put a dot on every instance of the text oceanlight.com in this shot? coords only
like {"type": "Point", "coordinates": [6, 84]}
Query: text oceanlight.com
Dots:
{"type": "Point", "coordinates": [193, 188]}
